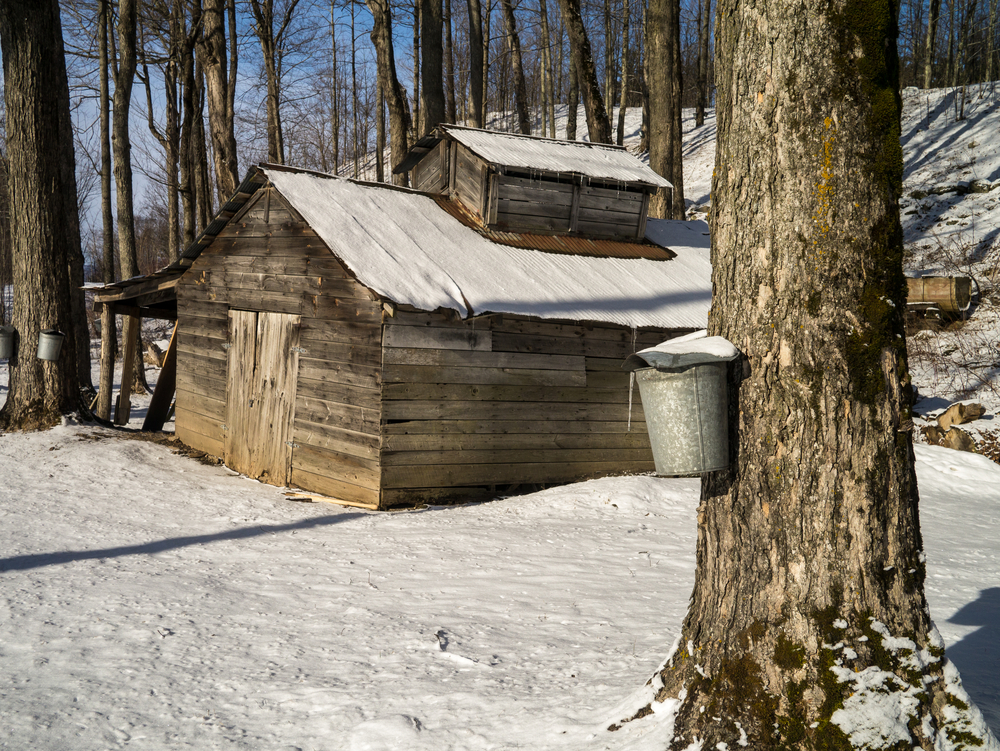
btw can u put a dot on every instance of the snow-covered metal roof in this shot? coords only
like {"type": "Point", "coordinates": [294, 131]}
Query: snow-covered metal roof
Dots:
{"type": "Point", "coordinates": [597, 161]}
{"type": "Point", "coordinates": [403, 246]}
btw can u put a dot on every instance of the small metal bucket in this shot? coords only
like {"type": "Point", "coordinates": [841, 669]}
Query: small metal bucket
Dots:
{"type": "Point", "coordinates": [687, 415]}
{"type": "Point", "coordinates": [50, 344]}
{"type": "Point", "coordinates": [6, 342]}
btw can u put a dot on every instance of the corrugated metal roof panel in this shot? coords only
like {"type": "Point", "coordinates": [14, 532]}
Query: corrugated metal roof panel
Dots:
{"type": "Point", "coordinates": [567, 244]}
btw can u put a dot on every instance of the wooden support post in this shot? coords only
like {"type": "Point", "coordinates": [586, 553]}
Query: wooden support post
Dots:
{"type": "Point", "coordinates": [163, 394]}
{"type": "Point", "coordinates": [106, 385]}
{"type": "Point", "coordinates": [129, 336]}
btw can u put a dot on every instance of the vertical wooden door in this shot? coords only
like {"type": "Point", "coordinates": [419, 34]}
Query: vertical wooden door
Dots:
{"type": "Point", "coordinates": [260, 396]}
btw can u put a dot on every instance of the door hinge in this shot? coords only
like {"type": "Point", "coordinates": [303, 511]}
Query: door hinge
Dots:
{"type": "Point", "coordinates": [226, 345]}
{"type": "Point", "coordinates": [300, 350]}
{"type": "Point", "coordinates": [223, 427]}
{"type": "Point", "coordinates": [292, 444]}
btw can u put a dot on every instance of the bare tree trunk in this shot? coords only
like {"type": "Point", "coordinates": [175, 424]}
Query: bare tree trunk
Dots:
{"type": "Point", "coordinates": [548, 82]}
{"type": "Point", "coordinates": [624, 92]}
{"type": "Point", "coordinates": [598, 124]}
{"type": "Point", "coordinates": [932, 25]}
{"type": "Point", "coordinates": [212, 49]}
{"type": "Point", "coordinates": [704, 27]}
{"type": "Point", "coordinates": [810, 572]}
{"type": "Point", "coordinates": [417, 109]}
{"type": "Point", "coordinates": [186, 187]}
{"type": "Point", "coordinates": [334, 79]}
{"type": "Point", "coordinates": [520, 91]}
{"type": "Point", "coordinates": [431, 66]}
{"type": "Point", "coordinates": [109, 334]}
{"type": "Point", "coordinates": [662, 72]}
{"type": "Point", "coordinates": [271, 42]}
{"type": "Point", "coordinates": [991, 41]}
{"type": "Point", "coordinates": [476, 62]}
{"type": "Point", "coordinates": [950, 79]}
{"type": "Point", "coordinates": [609, 76]}
{"type": "Point", "coordinates": [644, 67]}
{"type": "Point", "coordinates": [379, 132]}
{"type": "Point", "coordinates": [573, 102]}
{"type": "Point", "coordinates": [487, 21]}
{"type": "Point", "coordinates": [399, 117]}
{"type": "Point", "coordinates": [449, 66]}
{"type": "Point", "coordinates": [355, 138]}
{"type": "Point", "coordinates": [202, 181]}
{"type": "Point", "coordinates": [43, 212]}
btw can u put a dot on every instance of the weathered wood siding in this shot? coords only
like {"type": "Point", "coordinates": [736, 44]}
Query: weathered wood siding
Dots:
{"type": "Point", "coordinates": [477, 407]}
{"type": "Point", "coordinates": [541, 203]}
{"type": "Point", "coordinates": [432, 172]}
{"type": "Point", "coordinates": [268, 259]}
{"type": "Point", "coordinates": [469, 179]}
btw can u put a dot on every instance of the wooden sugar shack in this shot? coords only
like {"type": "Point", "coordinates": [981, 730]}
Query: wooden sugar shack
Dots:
{"type": "Point", "coordinates": [390, 347]}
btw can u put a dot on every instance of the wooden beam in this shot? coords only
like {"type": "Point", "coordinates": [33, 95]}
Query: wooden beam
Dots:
{"type": "Point", "coordinates": [129, 336]}
{"type": "Point", "coordinates": [163, 394]}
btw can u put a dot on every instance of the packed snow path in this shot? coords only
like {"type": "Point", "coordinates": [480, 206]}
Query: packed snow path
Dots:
{"type": "Point", "coordinates": [153, 602]}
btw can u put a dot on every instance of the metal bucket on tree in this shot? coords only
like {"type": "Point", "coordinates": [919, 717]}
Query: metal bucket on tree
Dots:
{"type": "Point", "coordinates": [6, 342]}
{"type": "Point", "coordinates": [50, 344]}
{"type": "Point", "coordinates": [684, 385]}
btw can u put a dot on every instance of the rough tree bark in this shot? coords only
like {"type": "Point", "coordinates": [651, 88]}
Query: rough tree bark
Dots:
{"type": "Point", "coordinates": [449, 66]}
{"type": "Point", "coordinates": [810, 571]}
{"type": "Point", "coordinates": [109, 329]}
{"type": "Point", "coordinates": [43, 215]}
{"type": "Point", "coordinates": [431, 66]}
{"type": "Point", "coordinates": [663, 74]}
{"type": "Point", "coordinates": [212, 49]}
{"type": "Point", "coordinates": [476, 62]}
{"type": "Point", "coordinates": [598, 124]}
{"type": "Point", "coordinates": [517, 70]}
{"type": "Point", "coordinates": [395, 96]}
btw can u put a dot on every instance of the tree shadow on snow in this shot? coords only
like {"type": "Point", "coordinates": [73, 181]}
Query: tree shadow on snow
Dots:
{"type": "Point", "coordinates": [977, 656]}
{"type": "Point", "coordinates": [40, 560]}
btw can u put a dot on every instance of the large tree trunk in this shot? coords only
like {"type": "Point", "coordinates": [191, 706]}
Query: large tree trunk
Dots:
{"type": "Point", "coordinates": [810, 571]}
{"type": "Point", "coordinates": [517, 70]}
{"type": "Point", "coordinates": [212, 47]}
{"type": "Point", "coordinates": [991, 41]}
{"type": "Point", "coordinates": [271, 44]}
{"type": "Point", "coordinates": [581, 56]}
{"type": "Point", "coordinates": [399, 116]}
{"type": "Point", "coordinates": [663, 79]}
{"type": "Point", "coordinates": [43, 211]}
{"type": "Point", "coordinates": [476, 62]}
{"type": "Point", "coordinates": [431, 66]}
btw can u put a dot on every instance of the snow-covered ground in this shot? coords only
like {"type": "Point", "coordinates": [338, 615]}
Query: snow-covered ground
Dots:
{"type": "Point", "coordinates": [151, 601]}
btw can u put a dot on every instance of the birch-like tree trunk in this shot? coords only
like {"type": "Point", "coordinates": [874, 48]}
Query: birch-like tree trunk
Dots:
{"type": "Point", "coordinates": [43, 212]}
{"type": "Point", "coordinates": [598, 124]}
{"type": "Point", "coordinates": [810, 570]}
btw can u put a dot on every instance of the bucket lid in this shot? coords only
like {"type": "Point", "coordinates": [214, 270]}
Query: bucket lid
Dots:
{"type": "Point", "coordinates": [684, 352]}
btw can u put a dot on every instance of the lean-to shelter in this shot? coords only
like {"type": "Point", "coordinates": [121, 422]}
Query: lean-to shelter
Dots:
{"type": "Point", "coordinates": [386, 347]}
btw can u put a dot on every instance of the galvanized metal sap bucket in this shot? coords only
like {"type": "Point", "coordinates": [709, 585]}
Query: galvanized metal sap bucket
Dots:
{"type": "Point", "coordinates": [685, 397]}
{"type": "Point", "coordinates": [50, 344]}
{"type": "Point", "coordinates": [6, 342]}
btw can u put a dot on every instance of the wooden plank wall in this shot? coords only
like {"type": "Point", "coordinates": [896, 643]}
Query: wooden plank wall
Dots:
{"type": "Point", "coordinates": [431, 173]}
{"type": "Point", "coordinates": [476, 407]}
{"type": "Point", "coordinates": [528, 204]}
{"type": "Point", "coordinates": [268, 259]}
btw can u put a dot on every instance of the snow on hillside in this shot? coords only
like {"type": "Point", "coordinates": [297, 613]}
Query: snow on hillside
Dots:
{"type": "Point", "coordinates": [151, 601]}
